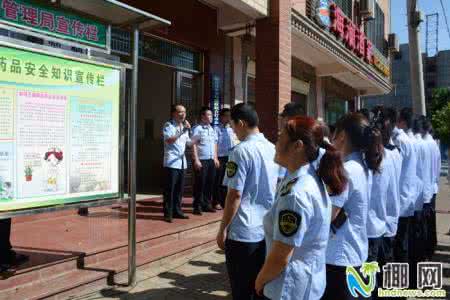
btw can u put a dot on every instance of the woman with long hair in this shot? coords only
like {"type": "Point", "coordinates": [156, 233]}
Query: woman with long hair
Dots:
{"type": "Point", "coordinates": [362, 148]}
{"type": "Point", "coordinates": [298, 224]}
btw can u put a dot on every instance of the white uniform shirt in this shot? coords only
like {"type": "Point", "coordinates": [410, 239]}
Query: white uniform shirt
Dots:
{"type": "Point", "coordinates": [436, 161]}
{"type": "Point", "coordinates": [393, 200]}
{"type": "Point", "coordinates": [408, 177]}
{"type": "Point", "coordinates": [424, 171]}
{"type": "Point", "coordinates": [349, 246]}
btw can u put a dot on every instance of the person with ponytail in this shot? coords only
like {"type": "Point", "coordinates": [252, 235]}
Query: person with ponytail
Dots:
{"type": "Point", "coordinates": [362, 148]}
{"type": "Point", "coordinates": [298, 224]}
{"type": "Point", "coordinates": [384, 203]}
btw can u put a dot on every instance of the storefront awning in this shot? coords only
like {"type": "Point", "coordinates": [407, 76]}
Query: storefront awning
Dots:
{"type": "Point", "coordinates": [115, 13]}
{"type": "Point", "coordinates": [314, 45]}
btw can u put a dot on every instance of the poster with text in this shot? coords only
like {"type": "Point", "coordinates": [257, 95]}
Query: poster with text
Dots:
{"type": "Point", "coordinates": [59, 130]}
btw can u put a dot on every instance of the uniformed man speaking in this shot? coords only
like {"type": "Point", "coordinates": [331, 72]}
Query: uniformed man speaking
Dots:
{"type": "Point", "coordinates": [176, 137]}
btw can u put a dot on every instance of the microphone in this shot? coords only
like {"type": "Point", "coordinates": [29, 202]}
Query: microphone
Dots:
{"type": "Point", "coordinates": [184, 126]}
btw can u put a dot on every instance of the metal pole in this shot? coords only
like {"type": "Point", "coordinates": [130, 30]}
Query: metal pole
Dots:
{"type": "Point", "coordinates": [132, 162]}
{"type": "Point", "coordinates": [415, 59]}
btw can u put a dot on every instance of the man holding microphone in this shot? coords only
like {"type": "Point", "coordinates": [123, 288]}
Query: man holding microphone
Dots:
{"type": "Point", "coordinates": [176, 137]}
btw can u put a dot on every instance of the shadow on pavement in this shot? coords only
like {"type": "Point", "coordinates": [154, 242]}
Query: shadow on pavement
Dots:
{"type": "Point", "coordinates": [209, 286]}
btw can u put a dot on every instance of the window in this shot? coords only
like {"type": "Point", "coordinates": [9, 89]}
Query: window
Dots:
{"type": "Point", "coordinates": [346, 6]}
{"type": "Point", "coordinates": [251, 89]}
{"type": "Point", "coordinates": [375, 30]}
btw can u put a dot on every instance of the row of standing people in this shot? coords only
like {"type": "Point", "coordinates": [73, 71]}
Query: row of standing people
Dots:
{"type": "Point", "coordinates": [367, 196]}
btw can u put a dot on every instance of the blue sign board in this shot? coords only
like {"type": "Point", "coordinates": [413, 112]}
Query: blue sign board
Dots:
{"type": "Point", "coordinates": [215, 98]}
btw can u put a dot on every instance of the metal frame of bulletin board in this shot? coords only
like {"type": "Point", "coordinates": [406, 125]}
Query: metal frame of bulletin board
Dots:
{"type": "Point", "coordinates": [111, 13]}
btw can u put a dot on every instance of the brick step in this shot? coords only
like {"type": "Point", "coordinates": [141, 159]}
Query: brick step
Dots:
{"type": "Point", "coordinates": [110, 251]}
{"type": "Point", "coordinates": [101, 265]}
{"type": "Point", "coordinates": [107, 251]}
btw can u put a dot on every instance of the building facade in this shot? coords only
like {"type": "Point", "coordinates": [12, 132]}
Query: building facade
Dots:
{"type": "Point", "coordinates": [322, 54]}
{"type": "Point", "coordinates": [436, 75]}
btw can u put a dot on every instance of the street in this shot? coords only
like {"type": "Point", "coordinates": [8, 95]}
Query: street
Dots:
{"type": "Point", "coordinates": [204, 277]}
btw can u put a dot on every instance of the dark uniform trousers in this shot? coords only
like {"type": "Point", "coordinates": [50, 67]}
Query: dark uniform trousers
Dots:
{"type": "Point", "coordinates": [203, 186]}
{"type": "Point", "coordinates": [337, 283]}
{"type": "Point", "coordinates": [173, 192]}
{"type": "Point", "coordinates": [381, 250]}
{"type": "Point", "coordinates": [5, 244]}
{"type": "Point", "coordinates": [416, 246]}
{"type": "Point", "coordinates": [429, 220]}
{"type": "Point", "coordinates": [401, 242]}
{"type": "Point", "coordinates": [244, 261]}
{"type": "Point", "coordinates": [220, 191]}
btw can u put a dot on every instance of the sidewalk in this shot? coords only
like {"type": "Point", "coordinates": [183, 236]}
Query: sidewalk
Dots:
{"type": "Point", "coordinates": [204, 278]}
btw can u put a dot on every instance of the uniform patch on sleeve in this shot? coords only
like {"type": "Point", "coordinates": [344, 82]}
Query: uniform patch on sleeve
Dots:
{"type": "Point", "coordinates": [232, 168]}
{"type": "Point", "coordinates": [288, 222]}
{"type": "Point", "coordinates": [286, 189]}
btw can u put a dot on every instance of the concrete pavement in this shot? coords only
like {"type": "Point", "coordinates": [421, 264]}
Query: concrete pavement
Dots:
{"type": "Point", "coordinates": [204, 277]}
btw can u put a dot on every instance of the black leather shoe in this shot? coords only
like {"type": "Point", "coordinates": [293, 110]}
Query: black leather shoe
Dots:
{"type": "Point", "coordinates": [168, 219]}
{"type": "Point", "coordinates": [4, 268]}
{"type": "Point", "coordinates": [197, 212]}
{"type": "Point", "coordinates": [180, 217]}
{"type": "Point", "coordinates": [14, 259]}
{"type": "Point", "coordinates": [209, 209]}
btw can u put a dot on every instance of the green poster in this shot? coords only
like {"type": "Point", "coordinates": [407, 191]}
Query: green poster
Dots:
{"type": "Point", "coordinates": [59, 130]}
{"type": "Point", "coordinates": [51, 21]}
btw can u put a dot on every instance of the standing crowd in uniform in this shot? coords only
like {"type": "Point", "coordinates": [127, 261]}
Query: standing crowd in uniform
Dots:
{"type": "Point", "coordinates": [298, 213]}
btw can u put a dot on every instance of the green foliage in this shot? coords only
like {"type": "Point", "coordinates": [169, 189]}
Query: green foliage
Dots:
{"type": "Point", "coordinates": [439, 113]}
{"type": "Point", "coordinates": [441, 123]}
{"type": "Point", "coordinates": [441, 96]}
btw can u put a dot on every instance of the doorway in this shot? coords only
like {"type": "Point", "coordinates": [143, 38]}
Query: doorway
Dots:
{"type": "Point", "coordinates": [160, 87]}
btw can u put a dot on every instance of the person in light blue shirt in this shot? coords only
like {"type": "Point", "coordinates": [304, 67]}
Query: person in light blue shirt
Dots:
{"type": "Point", "coordinates": [362, 147]}
{"type": "Point", "coordinates": [393, 203]}
{"type": "Point", "coordinates": [205, 162]}
{"type": "Point", "coordinates": [298, 224]}
{"type": "Point", "coordinates": [424, 175]}
{"type": "Point", "coordinates": [176, 136]}
{"type": "Point", "coordinates": [226, 137]}
{"type": "Point", "coordinates": [413, 187]}
{"type": "Point", "coordinates": [251, 178]}
{"type": "Point", "coordinates": [408, 185]}
{"type": "Point", "coordinates": [430, 208]}
{"type": "Point", "coordinates": [384, 205]}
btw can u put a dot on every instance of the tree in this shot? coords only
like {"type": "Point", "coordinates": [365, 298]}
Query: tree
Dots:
{"type": "Point", "coordinates": [440, 100]}
{"type": "Point", "coordinates": [441, 123]}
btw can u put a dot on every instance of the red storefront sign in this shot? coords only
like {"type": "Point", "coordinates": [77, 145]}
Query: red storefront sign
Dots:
{"type": "Point", "coordinates": [353, 38]}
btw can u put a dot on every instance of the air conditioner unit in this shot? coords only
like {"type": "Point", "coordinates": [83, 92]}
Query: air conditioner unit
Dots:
{"type": "Point", "coordinates": [393, 43]}
{"type": "Point", "coordinates": [367, 9]}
